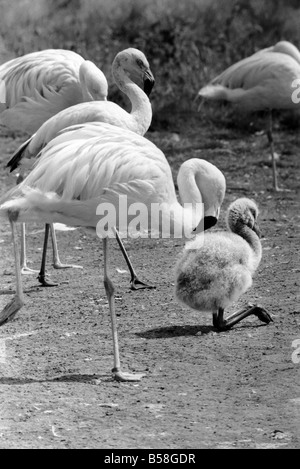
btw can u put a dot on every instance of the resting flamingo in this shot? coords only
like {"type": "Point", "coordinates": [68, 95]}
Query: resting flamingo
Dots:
{"type": "Point", "coordinates": [264, 81]}
{"type": "Point", "coordinates": [96, 163]}
{"type": "Point", "coordinates": [39, 85]}
{"type": "Point", "coordinates": [129, 67]}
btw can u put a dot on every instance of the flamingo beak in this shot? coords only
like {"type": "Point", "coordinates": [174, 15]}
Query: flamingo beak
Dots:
{"type": "Point", "coordinates": [205, 224]}
{"type": "Point", "coordinates": [148, 82]}
{"type": "Point", "coordinates": [209, 222]}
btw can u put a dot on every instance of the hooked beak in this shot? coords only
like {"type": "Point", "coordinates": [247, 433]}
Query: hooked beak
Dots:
{"type": "Point", "coordinates": [209, 222]}
{"type": "Point", "coordinates": [213, 217]}
{"type": "Point", "coordinates": [205, 224]}
{"type": "Point", "coordinates": [148, 82]}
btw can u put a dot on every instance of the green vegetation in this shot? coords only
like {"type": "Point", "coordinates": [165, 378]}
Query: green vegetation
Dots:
{"type": "Point", "coordinates": [186, 42]}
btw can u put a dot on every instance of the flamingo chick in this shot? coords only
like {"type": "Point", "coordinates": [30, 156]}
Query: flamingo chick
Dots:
{"type": "Point", "coordinates": [264, 81]}
{"type": "Point", "coordinates": [93, 164]}
{"type": "Point", "coordinates": [130, 69]}
{"type": "Point", "coordinates": [214, 271]}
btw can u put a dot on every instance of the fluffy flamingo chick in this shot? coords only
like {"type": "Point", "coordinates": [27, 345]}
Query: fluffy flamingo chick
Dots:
{"type": "Point", "coordinates": [216, 268]}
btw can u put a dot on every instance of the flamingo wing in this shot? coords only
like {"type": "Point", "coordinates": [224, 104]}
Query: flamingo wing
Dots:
{"type": "Point", "coordinates": [91, 164]}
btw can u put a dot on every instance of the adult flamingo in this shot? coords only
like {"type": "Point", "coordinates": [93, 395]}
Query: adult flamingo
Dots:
{"type": "Point", "coordinates": [264, 81]}
{"type": "Point", "coordinates": [130, 69]}
{"type": "Point", "coordinates": [40, 84]}
{"type": "Point", "coordinates": [93, 164]}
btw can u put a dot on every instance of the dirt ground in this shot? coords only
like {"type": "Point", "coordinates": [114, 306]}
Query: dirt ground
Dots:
{"type": "Point", "coordinates": [203, 388]}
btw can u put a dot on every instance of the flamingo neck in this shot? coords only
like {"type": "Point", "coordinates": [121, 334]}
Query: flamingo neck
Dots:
{"type": "Point", "coordinates": [252, 239]}
{"type": "Point", "coordinates": [285, 47]}
{"type": "Point", "coordinates": [141, 110]}
{"type": "Point", "coordinates": [86, 95]}
{"type": "Point", "coordinates": [186, 179]}
{"type": "Point", "coordinates": [184, 219]}
{"type": "Point", "coordinates": [84, 71]}
{"type": "Point", "coordinates": [188, 214]}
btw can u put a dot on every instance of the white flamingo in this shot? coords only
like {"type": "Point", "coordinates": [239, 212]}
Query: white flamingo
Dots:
{"type": "Point", "coordinates": [216, 270]}
{"type": "Point", "coordinates": [131, 71]}
{"type": "Point", "coordinates": [129, 67]}
{"type": "Point", "coordinates": [40, 84]}
{"type": "Point", "coordinates": [96, 163]}
{"type": "Point", "coordinates": [263, 81]}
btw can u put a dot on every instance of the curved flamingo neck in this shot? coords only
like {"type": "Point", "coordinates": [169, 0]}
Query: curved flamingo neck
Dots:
{"type": "Point", "coordinates": [187, 215]}
{"type": "Point", "coordinates": [186, 179]}
{"type": "Point", "coordinates": [184, 219]}
{"type": "Point", "coordinates": [86, 95]}
{"type": "Point", "coordinates": [141, 110]}
{"type": "Point", "coordinates": [93, 82]}
{"type": "Point", "coordinates": [286, 47]}
{"type": "Point", "coordinates": [251, 238]}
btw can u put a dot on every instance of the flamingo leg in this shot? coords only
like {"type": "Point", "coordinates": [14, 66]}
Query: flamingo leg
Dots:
{"type": "Point", "coordinates": [271, 143]}
{"type": "Point", "coordinates": [24, 268]}
{"type": "Point", "coordinates": [42, 274]}
{"type": "Point", "coordinates": [57, 264]}
{"type": "Point", "coordinates": [11, 309]}
{"type": "Point", "coordinates": [135, 283]}
{"type": "Point", "coordinates": [109, 289]}
{"type": "Point", "coordinates": [223, 324]}
{"type": "Point", "coordinates": [23, 261]}
{"type": "Point", "coordinates": [200, 104]}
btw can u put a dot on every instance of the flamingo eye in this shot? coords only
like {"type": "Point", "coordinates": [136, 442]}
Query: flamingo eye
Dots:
{"type": "Point", "coordinates": [140, 63]}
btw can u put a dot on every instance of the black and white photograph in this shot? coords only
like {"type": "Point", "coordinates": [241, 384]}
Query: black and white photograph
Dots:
{"type": "Point", "coordinates": [149, 227]}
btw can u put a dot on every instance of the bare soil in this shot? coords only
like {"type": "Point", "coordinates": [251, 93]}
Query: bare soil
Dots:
{"type": "Point", "coordinates": [203, 388]}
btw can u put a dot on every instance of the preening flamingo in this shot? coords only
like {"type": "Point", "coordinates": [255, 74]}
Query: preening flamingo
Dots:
{"type": "Point", "coordinates": [129, 67]}
{"type": "Point", "coordinates": [263, 81]}
{"type": "Point", "coordinates": [216, 270]}
{"type": "Point", "coordinates": [97, 163]}
{"type": "Point", "coordinates": [40, 84]}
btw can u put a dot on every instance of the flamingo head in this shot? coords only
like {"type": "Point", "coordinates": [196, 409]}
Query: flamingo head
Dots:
{"type": "Point", "coordinates": [136, 66]}
{"type": "Point", "coordinates": [243, 211]}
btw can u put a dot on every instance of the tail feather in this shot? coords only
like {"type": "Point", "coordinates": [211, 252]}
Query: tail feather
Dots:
{"type": "Point", "coordinates": [32, 205]}
{"type": "Point", "coordinates": [15, 161]}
